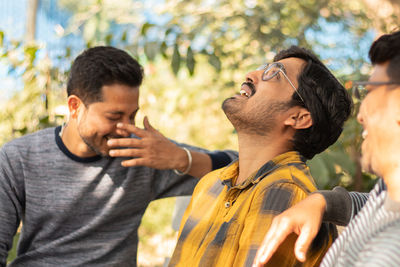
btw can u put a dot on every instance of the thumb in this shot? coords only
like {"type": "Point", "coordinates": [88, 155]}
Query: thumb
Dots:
{"type": "Point", "coordinates": [147, 124]}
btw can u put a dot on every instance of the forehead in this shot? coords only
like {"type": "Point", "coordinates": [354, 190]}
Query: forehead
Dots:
{"type": "Point", "coordinates": [118, 97]}
{"type": "Point", "coordinates": [293, 65]}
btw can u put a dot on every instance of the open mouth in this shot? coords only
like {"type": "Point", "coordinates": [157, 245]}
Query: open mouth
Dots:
{"type": "Point", "coordinates": [247, 89]}
{"type": "Point", "coordinates": [244, 93]}
{"type": "Point", "coordinates": [364, 134]}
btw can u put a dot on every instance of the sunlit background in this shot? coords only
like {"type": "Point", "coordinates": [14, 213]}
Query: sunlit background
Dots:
{"type": "Point", "coordinates": [195, 54]}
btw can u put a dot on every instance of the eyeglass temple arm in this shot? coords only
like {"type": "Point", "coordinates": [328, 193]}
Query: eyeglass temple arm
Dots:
{"type": "Point", "coordinates": [287, 78]}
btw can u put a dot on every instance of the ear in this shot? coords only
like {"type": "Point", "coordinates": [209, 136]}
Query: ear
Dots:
{"type": "Point", "coordinates": [74, 105]}
{"type": "Point", "coordinates": [299, 119]}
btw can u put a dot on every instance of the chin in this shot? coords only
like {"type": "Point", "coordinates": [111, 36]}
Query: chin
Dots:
{"type": "Point", "coordinates": [366, 165]}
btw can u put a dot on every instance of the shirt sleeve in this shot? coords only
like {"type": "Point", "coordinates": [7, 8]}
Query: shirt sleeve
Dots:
{"type": "Point", "coordinates": [266, 205]}
{"type": "Point", "coordinates": [10, 208]}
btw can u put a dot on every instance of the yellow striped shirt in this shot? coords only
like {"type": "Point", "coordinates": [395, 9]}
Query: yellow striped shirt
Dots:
{"type": "Point", "coordinates": [225, 224]}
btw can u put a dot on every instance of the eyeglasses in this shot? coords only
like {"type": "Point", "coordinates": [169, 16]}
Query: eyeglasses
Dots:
{"type": "Point", "coordinates": [272, 69]}
{"type": "Point", "coordinates": [359, 91]}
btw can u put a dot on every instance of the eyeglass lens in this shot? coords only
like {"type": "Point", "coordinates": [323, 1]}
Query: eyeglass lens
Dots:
{"type": "Point", "coordinates": [271, 71]}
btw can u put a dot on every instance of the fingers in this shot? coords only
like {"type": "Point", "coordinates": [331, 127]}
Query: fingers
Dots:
{"type": "Point", "coordinates": [147, 124]}
{"type": "Point", "coordinates": [130, 128]}
{"type": "Point", "coordinates": [125, 142]}
{"type": "Point", "coordinates": [125, 152]}
{"type": "Point", "coordinates": [122, 132]}
{"type": "Point", "coordinates": [303, 242]}
{"type": "Point", "coordinates": [134, 162]}
{"type": "Point", "coordinates": [279, 230]}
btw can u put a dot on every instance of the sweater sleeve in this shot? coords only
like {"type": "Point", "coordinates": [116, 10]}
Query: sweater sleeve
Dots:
{"type": "Point", "coordinates": [10, 208]}
{"type": "Point", "coordinates": [341, 205]}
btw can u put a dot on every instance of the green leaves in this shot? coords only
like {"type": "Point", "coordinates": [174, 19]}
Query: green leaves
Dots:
{"type": "Point", "coordinates": [150, 50]}
{"type": "Point", "coordinates": [145, 27]}
{"type": "Point", "coordinates": [190, 62]}
{"type": "Point", "coordinates": [1, 38]}
{"type": "Point", "coordinates": [176, 60]}
{"type": "Point", "coordinates": [215, 62]}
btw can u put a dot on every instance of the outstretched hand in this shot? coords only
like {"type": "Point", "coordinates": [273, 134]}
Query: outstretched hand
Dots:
{"type": "Point", "coordinates": [151, 148]}
{"type": "Point", "coordinates": [303, 219]}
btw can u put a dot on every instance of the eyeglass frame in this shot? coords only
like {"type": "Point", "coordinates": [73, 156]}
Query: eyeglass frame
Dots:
{"type": "Point", "coordinates": [281, 68]}
{"type": "Point", "coordinates": [355, 85]}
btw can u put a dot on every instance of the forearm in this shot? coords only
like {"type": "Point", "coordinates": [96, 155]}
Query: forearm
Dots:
{"type": "Point", "coordinates": [203, 162]}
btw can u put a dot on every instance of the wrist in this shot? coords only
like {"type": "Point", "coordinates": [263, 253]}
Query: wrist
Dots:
{"type": "Point", "coordinates": [320, 201]}
{"type": "Point", "coordinates": [184, 162]}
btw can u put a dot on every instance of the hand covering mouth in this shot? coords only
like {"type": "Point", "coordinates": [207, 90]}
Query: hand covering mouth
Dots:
{"type": "Point", "coordinates": [247, 89]}
{"type": "Point", "coordinates": [108, 137]}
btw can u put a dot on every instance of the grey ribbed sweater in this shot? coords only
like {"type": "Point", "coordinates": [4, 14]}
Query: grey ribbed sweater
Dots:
{"type": "Point", "coordinates": [75, 211]}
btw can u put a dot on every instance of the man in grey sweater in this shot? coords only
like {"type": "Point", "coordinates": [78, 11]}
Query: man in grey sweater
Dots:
{"type": "Point", "coordinates": [79, 195]}
{"type": "Point", "coordinates": [372, 237]}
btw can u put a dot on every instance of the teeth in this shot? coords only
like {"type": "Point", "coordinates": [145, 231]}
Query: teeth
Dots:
{"type": "Point", "coordinates": [364, 134]}
{"type": "Point", "coordinates": [243, 93]}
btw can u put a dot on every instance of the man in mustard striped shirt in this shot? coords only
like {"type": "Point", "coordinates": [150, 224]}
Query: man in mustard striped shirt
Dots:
{"type": "Point", "coordinates": [286, 112]}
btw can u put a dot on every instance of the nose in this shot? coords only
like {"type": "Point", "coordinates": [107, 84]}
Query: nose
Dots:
{"type": "Point", "coordinates": [126, 120]}
{"type": "Point", "coordinates": [253, 76]}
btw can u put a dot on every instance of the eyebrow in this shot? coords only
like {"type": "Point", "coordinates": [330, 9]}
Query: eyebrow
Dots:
{"type": "Point", "coordinates": [120, 112]}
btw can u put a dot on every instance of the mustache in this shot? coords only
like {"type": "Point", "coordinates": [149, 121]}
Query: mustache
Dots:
{"type": "Point", "coordinates": [251, 87]}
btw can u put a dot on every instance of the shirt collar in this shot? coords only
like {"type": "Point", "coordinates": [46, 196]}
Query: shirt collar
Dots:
{"type": "Point", "coordinates": [230, 173]}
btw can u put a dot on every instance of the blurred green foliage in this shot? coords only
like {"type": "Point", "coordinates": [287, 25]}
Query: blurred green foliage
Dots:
{"type": "Point", "coordinates": [195, 54]}
{"type": "Point", "coordinates": [194, 58]}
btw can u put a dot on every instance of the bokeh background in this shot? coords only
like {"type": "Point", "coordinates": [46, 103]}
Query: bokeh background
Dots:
{"type": "Point", "coordinates": [195, 54]}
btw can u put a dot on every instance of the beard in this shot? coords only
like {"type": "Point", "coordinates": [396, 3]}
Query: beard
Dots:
{"type": "Point", "coordinates": [258, 121]}
{"type": "Point", "coordinates": [93, 147]}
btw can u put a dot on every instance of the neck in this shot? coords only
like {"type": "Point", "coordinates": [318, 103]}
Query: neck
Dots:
{"type": "Point", "coordinates": [255, 151]}
{"type": "Point", "coordinates": [73, 141]}
{"type": "Point", "coordinates": [392, 180]}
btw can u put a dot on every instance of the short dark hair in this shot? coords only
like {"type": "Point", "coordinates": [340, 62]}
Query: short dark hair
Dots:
{"type": "Point", "coordinates": [99, 66]}
{"type": "Point", "coordinates": [327, 100]}
{"type": "Point", "coordinates": [387, 48]}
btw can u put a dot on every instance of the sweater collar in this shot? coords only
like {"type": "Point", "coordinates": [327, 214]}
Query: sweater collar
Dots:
{"type": "Point", "coordinates": [68, 153]}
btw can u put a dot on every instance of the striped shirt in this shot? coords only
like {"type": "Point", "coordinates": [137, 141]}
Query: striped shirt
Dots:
{"type": "Point", "coordinates": [224, 223]}
{"type": "Point", "coordinates": [372, 238]}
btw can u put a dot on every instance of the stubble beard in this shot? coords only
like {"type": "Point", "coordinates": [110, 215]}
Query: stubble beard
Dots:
{"type": "Point", "coordinates": [92, 146]}
{"type": "Point", "coordinates": [90, 142]}
{"type": "Point", "coordinates": [257, 122]}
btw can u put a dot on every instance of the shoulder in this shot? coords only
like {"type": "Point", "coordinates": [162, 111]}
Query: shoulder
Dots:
{"type": "Point", "coordinates": [294, 176]}
{"type": "Point", "coordinates": [383, 249]}
{"type": "Point", "coordinates": [41, 136]}
{"type": "Point", "coordinates": [29, 143]}
{"type": "Point", "coordinates": [209, 181]}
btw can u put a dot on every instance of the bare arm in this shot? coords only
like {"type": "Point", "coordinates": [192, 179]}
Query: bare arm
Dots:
{"type": "Point", "coordinates": [337, 206]}
{"type": "Point", "coordinates": [303, 219]}
{"type": "Point", "coordinates": [154, 150]}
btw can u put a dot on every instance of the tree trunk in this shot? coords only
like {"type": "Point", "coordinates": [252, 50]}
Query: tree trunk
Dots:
{"type": "Point", "coordinates": [31, 14]}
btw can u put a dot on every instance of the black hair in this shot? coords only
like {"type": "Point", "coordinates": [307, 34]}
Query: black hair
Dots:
{"type": "Point", "coordinates": [387, 48]}
{"type": "Point", "coordinates": [99, 66]}
{"type": "Point", "coordinates": [324, 97]}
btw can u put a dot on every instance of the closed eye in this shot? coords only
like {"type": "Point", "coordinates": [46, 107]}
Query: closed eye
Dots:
{"type": "Point", "coordinates": [113, 119]}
